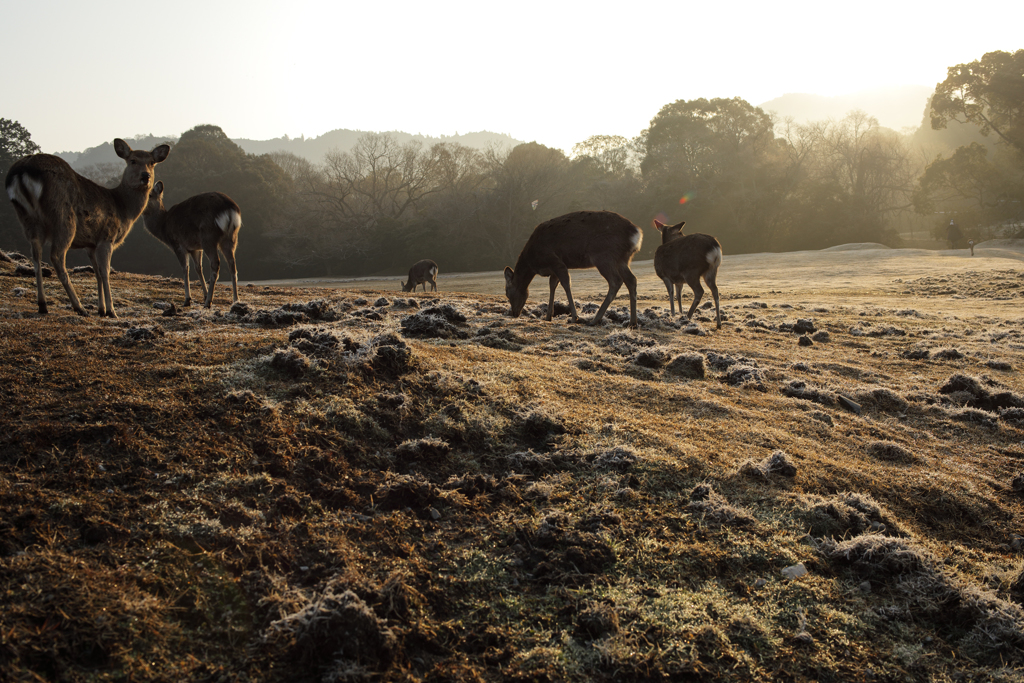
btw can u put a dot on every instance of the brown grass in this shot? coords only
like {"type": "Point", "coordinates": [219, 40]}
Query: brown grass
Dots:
{"type": "Point", "coordinates": [346, 485]}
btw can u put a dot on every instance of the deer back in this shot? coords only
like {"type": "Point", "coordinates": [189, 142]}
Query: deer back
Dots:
{"type": "Point", "coordinates": [687, 256]}
{"type": "Point", "coordinates": [199, 222]}
{"type": "Point", "coordinates": [579, 240]}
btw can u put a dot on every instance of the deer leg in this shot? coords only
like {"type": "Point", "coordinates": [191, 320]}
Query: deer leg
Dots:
{"type": "Point", "coordinates": [214, 274]}
{"type": "Point", "coordinates": [614, 283]}
{"type": "Point", "coordinates": [698, 292]}
{"type": "Point", "coordinates": [671, 294]}
{"type": "Point", "coordinates": [183, 262]}
{"type": "Point", "coordinates": [58, 252]}
{"type": "Point", "coordinates": [197, 259]}
{"type": "Point", "coordinates": [37, 260]}
{"type": "Point", "coordinates": [553, 281]}
{"type": "Point", "coordinates": [104, 250]}
{"type": "Point", "coordinates": [709, 278]}
{"type": "Point", "coordinates": [566, 282]}
{"type": "Point", "coordinates": [229, 256]}
{"type": "Point", "coordinates": [679, 298]}
{"type": "Point", "coordinates": [627, 276]}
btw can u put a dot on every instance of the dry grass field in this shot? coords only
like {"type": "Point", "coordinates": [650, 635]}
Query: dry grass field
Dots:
{"type": "Point", "coordinates": [336, 481]}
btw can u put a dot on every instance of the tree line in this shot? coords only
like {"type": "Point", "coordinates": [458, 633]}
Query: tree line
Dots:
{"type": "Point", "coordinates": [723, 165]}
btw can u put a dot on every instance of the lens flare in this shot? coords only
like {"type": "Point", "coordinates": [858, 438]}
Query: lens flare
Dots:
{"type": "Point", "coordinates": [685, 198]}
{"type": "Point", "coordinates": [661, 218]}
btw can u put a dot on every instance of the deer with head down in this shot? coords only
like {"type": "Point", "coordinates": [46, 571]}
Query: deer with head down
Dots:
{"type": "Point", "coordinates": [58, 206]}
{"type": "Point", "coordinates": [206, 222]}
{"type": "Point", "coordinates": [421, 273]}
{"type": "Point", "coordinates": [688, 258]}
{"type": "Point", "coordinates": [583, 239]}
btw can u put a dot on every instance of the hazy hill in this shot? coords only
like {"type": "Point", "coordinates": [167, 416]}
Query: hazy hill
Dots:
{"type": "Point", "coordinates": [896, 107]}
{"type": "Point", "coordinates": [312, 149]}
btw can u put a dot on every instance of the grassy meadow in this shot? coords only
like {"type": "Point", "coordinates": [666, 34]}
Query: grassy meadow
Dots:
{"type": "Point", "coordinates": [338, 481]}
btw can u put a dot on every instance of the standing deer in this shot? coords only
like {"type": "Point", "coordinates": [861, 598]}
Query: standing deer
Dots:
{"type": "Point", "coordinates": [200, 223]}
{"type": "Point", "coordinates": [421, 272]}
{"type": "Point", "coordinates": [583, 239]}
{"type": "Point", "coordinates": [687, 258]}
{"type": "Point", "coordinates": [56, 205]}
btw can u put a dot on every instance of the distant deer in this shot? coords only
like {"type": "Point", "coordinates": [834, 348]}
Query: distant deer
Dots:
{"type": "Point", "coordinates": [421, 272]}
{"type": "Point", "coordinates": [56, 205]}
{"type": "Point", "coordinates": [687, 258]}
{"type": "Point", "coordinates": [201, 223]}
{"type": "Point", "coordinates": [583, 239]}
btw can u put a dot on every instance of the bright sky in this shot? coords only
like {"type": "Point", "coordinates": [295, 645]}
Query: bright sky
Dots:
{"type": "Point", "coordinates": [77, 73]}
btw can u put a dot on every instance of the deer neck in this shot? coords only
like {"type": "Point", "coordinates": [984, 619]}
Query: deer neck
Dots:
{"type": "Point", "coordinates": [155, 220]}
{"type": "Point", "coordinates": [129, 202]}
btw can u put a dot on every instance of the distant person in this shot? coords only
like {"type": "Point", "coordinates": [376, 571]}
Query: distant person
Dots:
{"type": "Point", "coordinates": [953, 234]}
{"type": "Point", "coordinates": [970, 243]}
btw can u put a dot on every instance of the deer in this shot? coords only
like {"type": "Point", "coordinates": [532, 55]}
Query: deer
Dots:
{"type": "Point", "coordinates": [421, 272]}
{"type": "Point", "coordinates": [205, 222]}
{"type": "Point", "coordinates": [582, 239]}
{"type": "Point", "coordinates": [688, 258]}
{"type": "Point", "coordinates": [58, 206]}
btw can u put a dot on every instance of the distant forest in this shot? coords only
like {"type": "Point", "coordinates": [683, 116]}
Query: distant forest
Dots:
{"type": "Point", "coordinates": [374, 203]}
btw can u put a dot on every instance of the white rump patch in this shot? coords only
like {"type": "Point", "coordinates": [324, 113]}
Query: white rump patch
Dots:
{"type": "Point", "coordinates": [17, 189]}
{"type": "Point", "coordinates": [35, 187]}
{"type": "Point", "coordinates": [634, 241]}
{"type": "Point", "coordinates": [714, 256]}
{"type": "Point", "coordinates": [229, 220]}
{"type": "Point", "coordinates": [433, 271]}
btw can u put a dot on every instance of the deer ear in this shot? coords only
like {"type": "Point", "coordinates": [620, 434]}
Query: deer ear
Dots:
{"type": "Point", "coordinates": [121, 148]}
{"type": "Point", "coordinates": [659, 225]}
{"type": "Point", "coordinates": [508, 275]}
{"type": "Point", "coordinates": [159, 187]}
{"type": "Point", "coordinates": [160, 153]}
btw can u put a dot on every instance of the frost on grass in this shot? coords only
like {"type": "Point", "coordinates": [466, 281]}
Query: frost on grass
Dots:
{"type": "Point", "coordinates": [715, 509]}
{"type": "Point", "coordinates": [800, 389]}
{"type": "Point", "coordinates": [286, 315]}
{"type": "Point", "coordinates": [429, 449]}
{"type": "Point", "coordinates": [866, 330]}
{"type": "Point", "coordinates": [290, 362]}
{"type": "Point", "coordinates": [627, 344]}
{"type": "Point", "coordinates": [334, 630]}
{"type": "Point", "coordinates": [436, 322]}
{"type": "Point", "coordinates": [316, 341]}
{"type": "Point", "coordinates": [776, 463]}
{"type": "Point", "coordinates": [539, 429]}
{"type": "Point", "coordinates": [688, 365]}
{"type": "Point", "coordinates": [654, 357]}
{"type": "Point", "coordinates": [884, 400]}
{"type": "Point", "coordinates": [597, 620]}
{"type": "Point", "coordinates": [890, 451]}
{"type": "Point", "coordinates": [947, 354]}
{"type": "Point", "coordinates": [983, 626]}
{"type": "Point", "coordinates": [563, 554]}
{"type": "Point", "coordinates": [971, 392]}
{"type": "Point", "coordinates": [534, 463]}
{"type": "Point", "coordinates": [400, 491]}
{"type": "Point", "coordinates": [843, 514]}
{"type": "Point", "coordinates": [619, 458]}
{"type": "Point", "coordinates": [136, 335]}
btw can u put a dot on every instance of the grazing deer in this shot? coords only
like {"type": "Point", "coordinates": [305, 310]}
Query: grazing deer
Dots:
{"type": "Point", "coordinates": [687, 258]}
{"type": "Point", "coordinates": [421, 272]}
{"type": "Point", "coordinates": [200, 223]}
{"type": "Point", "coordinates": [56, 205]}
{"type": "Point", "coordinates": [583, 239]}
